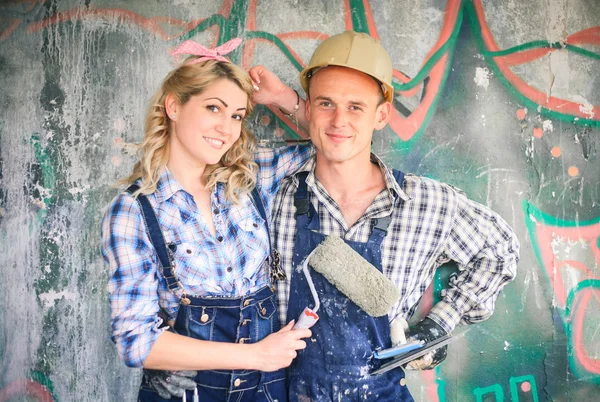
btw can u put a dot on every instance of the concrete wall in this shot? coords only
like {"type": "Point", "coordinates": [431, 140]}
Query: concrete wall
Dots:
{"type": "Point", "coordinates": [500, 98]}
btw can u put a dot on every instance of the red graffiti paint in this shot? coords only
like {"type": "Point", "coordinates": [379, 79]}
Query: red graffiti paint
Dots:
{"type": "Point", "coordinates": [25, 388]}
{"type": "Point", "coordinates": [566, 277]}
{"type": "Point", "coordinates": [589, 36]}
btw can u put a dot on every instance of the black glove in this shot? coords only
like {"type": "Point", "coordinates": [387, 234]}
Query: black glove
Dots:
{"type": "Point", "coordinates": [170, 383]}
{"type": "Point", "coordinates": [427, 331]}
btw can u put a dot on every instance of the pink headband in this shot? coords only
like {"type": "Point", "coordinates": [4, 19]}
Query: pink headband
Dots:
{"type": "Point", "coordinates": [192, 48]}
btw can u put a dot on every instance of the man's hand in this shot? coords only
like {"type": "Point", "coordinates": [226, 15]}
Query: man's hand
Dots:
{"type": "Point", "coordinates": [170, 383]}
{"type": "Point", "coordinates": [271, 91]}
{"type": "Point", "coordinates": [427, 330]}
{"type": "Point", "coordinates": [279, 349]}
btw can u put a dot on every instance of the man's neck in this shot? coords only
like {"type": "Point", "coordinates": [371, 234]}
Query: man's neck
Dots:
{"type": "Point", "coordinates": [352, 184]}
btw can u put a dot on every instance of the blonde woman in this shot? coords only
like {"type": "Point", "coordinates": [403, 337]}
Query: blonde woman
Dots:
{"type": "Point", "coordinates": [187, 245]}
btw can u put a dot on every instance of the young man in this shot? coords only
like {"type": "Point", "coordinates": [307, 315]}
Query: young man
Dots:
{"type": "Point", "coordinates": [404, 225]}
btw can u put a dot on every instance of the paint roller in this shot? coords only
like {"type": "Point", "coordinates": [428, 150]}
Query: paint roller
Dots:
{"type": "Point", "coordinates": [352, 275]}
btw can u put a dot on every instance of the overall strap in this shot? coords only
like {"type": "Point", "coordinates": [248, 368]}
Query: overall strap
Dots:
{"type": "Point", "coordinates": [263, 214]}
{"type": "Point", "coordinates": [301, 201]}
{"type": "Point", "coordinates": [306, 215]}
{"type": "Point", "coordinates": [157, 238]}
{"type": "Point", "coordinates": [399, 176]}
{"type": "Point", "coordinates": [380, 225]}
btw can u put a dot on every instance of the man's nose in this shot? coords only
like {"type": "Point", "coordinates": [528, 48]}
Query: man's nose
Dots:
{"type": "Point", "coordinates": [339, 118]}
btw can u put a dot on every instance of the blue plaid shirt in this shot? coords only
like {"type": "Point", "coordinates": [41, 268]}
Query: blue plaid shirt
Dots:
{"type": "Point", "coordinates": [432, 223]}
{"type": "Point", "coordinates": [232, 264]}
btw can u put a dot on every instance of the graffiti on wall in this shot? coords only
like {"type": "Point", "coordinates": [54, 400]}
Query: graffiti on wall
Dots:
{"type": "Point", "coordinates": [566, 249]}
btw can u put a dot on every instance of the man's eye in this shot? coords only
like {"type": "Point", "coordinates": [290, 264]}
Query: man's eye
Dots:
{"type": "Point", "coordinates": [326, 104]}
{"type": "Point", "coordinates": [355, 108]}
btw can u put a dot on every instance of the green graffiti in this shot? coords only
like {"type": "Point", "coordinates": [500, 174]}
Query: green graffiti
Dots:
{"type": "Point", "coordinates": [476, 27]}
{"type": "Point", "coordinates": [586, 283]}
{"type": "Point", "coordinates": [40, 378]}
{"type": "Point", "coordinates": [514, 389]}
{"type": "Point", "coordinates": [359, 16]}
{"type": "Point", "coordinates": [48, 175]}
{"type": "Point", "coordinates": [496, 389]}
{"type": "Point", "coordinates": [447, 47]}
{"type": "Point", "coordinates": [542, 44]}
{"type": "Point", "coordinates": [277, 42]}
{"type": "Point", "coordinates": [533, 215]}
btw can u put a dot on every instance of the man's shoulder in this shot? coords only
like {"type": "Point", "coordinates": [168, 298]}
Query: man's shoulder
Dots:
{"type": "Point", "coordinates": [426, 186]}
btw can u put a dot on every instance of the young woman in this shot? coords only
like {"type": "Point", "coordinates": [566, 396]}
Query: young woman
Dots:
{"type": "Point", "coordinates": [189, 242]}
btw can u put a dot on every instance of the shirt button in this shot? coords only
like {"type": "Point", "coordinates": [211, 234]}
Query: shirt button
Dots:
{"type": "Point", "coordinates": [255, 224]}
{"type": "Point", "coordinates": [215, 211]}
{"type": "Point", "coordinates": [229, 269]}
{"type": "Point", "coordinates": [188, 251]}
{"type": "Point", "coordinates": [237, 382]}
{"type": "Point", "coordinates": [220, 239]}
{"type": "Point", "coordinates": [402, 382]}
{"type": "Point", "coordinates": [246, 303]}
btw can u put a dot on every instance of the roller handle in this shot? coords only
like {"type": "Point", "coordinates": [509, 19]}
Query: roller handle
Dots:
{"type": "Point", "coordinates": [307, 319]}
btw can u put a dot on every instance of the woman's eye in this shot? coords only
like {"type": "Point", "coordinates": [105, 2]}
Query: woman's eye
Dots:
{"type": "Point", "coordinates": [238, 117]}
{"type": "Point", "coordinates": [213, 108]}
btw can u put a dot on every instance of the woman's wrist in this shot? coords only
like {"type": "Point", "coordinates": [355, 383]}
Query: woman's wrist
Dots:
{"type": "Point", "coordinates": [291, 112]}
{"type": "Point", "coordinates": [289, 101]}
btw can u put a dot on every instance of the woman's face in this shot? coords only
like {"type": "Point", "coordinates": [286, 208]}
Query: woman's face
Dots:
{"type": "Point", "coordinates": [204, 128]}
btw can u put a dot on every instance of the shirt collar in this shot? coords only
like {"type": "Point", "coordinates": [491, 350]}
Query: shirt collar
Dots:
{"type": "Point", "coordinates": [388, 175]}
{"type": "Point", "coordinates": [167, 186]}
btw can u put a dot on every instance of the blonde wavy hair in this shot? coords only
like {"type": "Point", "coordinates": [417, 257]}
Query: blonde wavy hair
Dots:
{"type": "Point", "coordinates": [236, 168]}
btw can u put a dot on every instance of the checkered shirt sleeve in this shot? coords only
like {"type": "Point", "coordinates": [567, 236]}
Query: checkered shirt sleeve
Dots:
{"type": "Point", "coordinates": [133, 282]}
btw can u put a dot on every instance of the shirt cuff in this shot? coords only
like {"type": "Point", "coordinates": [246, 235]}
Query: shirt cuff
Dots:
{"type": "Point", "coordinates": [446, 315]}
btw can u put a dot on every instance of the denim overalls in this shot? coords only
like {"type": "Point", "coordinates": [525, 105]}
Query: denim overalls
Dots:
{"type": "Point", "coordinates": [336, 364]}
{"type": "Point", "coordinates": [246, 319]}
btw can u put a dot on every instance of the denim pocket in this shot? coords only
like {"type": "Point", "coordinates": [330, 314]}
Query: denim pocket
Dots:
{"type": "Point", "coordinates": [276, 391]}
{"type": "Point", "coordinates": [201, 322]}
{"type": "Point", "coordinates": [265, 313]}
{"type": "Point", "coordinates": [266, 308]}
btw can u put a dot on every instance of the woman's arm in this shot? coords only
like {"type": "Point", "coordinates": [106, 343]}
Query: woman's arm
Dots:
{"type": "Point", "coordinates": [176, 352]}
{"type": "Point", "coordinates": [133, 296]}
{"type": "Point", "coordinates": [272, 92]}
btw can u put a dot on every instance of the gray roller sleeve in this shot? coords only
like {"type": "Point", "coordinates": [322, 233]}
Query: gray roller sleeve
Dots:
{"type": "Point", "coordinates": [354, 276]}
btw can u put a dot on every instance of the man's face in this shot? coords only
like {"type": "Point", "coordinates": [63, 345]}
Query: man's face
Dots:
{"type": "Point", "coordinates": [343, 110]}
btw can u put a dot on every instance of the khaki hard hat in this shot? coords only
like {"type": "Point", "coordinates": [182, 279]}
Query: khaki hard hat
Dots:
{"type": "Point", "coordinates": [354, 50]}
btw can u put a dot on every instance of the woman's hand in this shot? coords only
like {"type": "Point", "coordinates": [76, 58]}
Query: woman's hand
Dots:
{"type": "Point", "coordinates": [279, 349]}
{"type": "Point", "coordinates": [271, 91]}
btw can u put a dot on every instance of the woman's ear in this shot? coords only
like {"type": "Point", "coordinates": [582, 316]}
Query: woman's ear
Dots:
{"type": "Point", "coordinates": [171, 107]}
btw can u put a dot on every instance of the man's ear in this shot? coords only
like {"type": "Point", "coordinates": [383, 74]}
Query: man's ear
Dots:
{"type": "Point", "coordinates": [171, 106]}
{"type": "Point", "coordinates": [307, 108]}
{"type": "Point", "coordinates": [383, 115]}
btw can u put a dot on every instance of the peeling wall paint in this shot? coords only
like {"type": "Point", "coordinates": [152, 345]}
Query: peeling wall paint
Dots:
{"type": "Point", "coordinates": [499, 98]}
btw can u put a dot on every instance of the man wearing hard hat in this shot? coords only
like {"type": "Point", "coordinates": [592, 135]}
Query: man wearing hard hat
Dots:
{"type": "Point", "coordinates": [404, 225]}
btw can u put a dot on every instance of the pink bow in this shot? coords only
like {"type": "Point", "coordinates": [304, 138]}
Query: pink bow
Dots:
{"type": "Point", "coordinates": [192, 48]}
